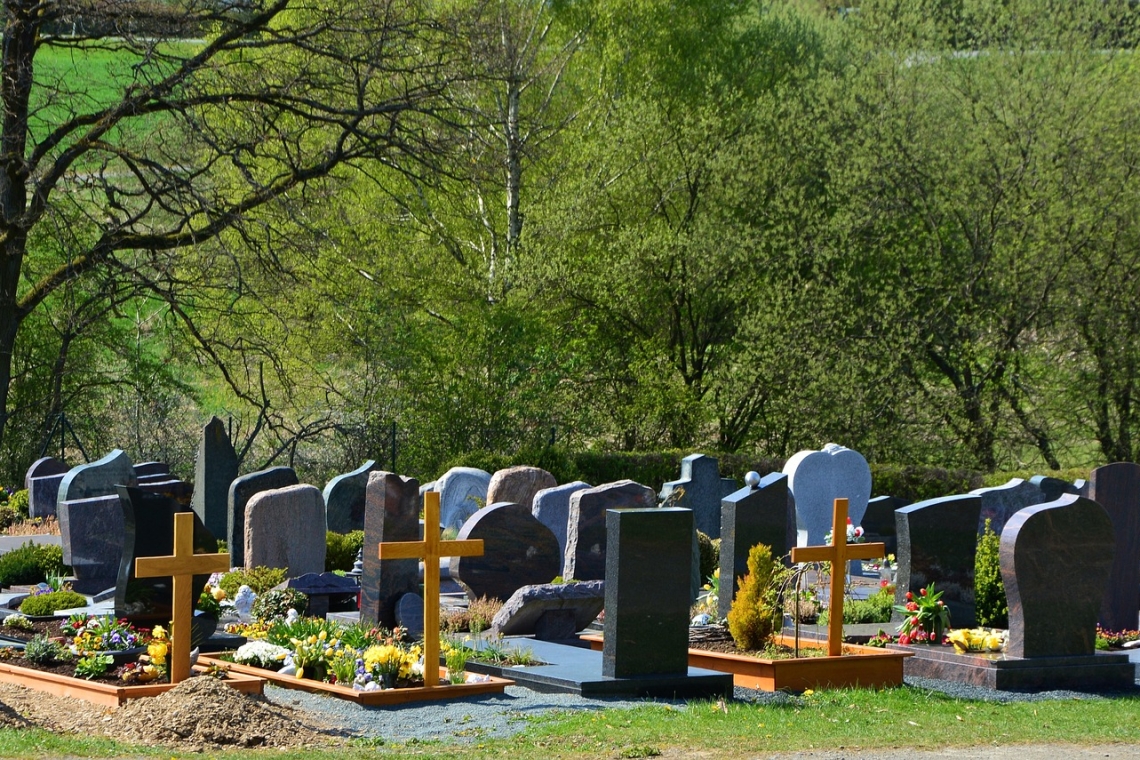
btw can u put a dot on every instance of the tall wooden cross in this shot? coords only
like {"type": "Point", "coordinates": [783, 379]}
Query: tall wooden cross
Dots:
{"type": "Point", "coordinates": [430, 550]}
{"type": "Point", "coordinates": [182, 566]}
{"type": "Point", "coordinates": [837, 554]}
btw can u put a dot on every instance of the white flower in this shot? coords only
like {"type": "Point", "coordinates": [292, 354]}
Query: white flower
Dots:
{"type": "Point", "coordinates": [260, 653]}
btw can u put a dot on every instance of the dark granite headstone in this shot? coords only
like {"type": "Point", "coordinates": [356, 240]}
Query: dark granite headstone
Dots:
{"type": "Point", "coordinates": [1055, 562]}
{"type": "Point", "coordinates": [879, 521]}
{"type": "Point", "coordinates": [518, 551]}
{"type": "Point", "coordinates": [42, 481]}
{"type": "Point", "coordinates": [99, 478]}
{"type": "Point", "coordinates": [325, 591]}
{"type": "Point", "coordinates": [148, 531]}
{"type": "Point", "coordinates": [241, 490]}
{"type": "Point", "coordinates": [152, 472]}
{"type": "Point", "coordinates": [647, 592]}
{"type": "Point", "coordinates": [391, 513]}
{"type": "Point", "coordinates": [93, 538]}
{"type": "Point", "coordinates": [1116, 487]}
{"type": "Point", "coordinates": [749, 517]}
{"type": "Point", "coordinates": [43, 467]}
{"type": "Point", "coordinates": [529, 609]}
{"type": "Point", "coordinates": [215, 468]}
{"type": "Point", "coordinates": [1001, 502]}
{"type": "Point", "coordinates": [344, 498]}
{"type": "Point", "coordinates": [938, 542]}
{"type": "Point", "coordinates": [1053, 488]}
{"type": "Point", "coordinates": [585, 558]}
{"type": "Point", "coordinates": [178, 490]}
{"type": "Point", "coordinates": [703, 490]}
{"type": "Point", "coordinates": [410, 614]}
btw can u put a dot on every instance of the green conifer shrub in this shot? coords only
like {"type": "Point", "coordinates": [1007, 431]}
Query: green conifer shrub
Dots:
{"type": "Point", "coordinates": [990, 604]}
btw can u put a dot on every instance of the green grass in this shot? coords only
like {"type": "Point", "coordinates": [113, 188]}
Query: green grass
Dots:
{"type": "Point", "coordinates": [904, 717]}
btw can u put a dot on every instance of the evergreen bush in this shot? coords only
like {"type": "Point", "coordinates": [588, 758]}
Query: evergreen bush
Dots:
{"type": "Point", "coordinates": [31, 563]}
{"type": "Point", "coordinates": [755, 614]}
{"type": "Point", "coordinates": [47, 604]}
{"type": "Point", "coordinates": [990, 604]}
{"type": "Point", "coordinates": [341, 549]}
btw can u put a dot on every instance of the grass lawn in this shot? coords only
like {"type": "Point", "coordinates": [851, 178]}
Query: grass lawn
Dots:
{"type": "Point", "coordinates": [903, 717]}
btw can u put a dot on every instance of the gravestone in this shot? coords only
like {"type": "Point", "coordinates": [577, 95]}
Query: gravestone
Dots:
{"type": "Point", "coordinates": [1001, 502]}
{"type": "Point", "coordinates": [703, 488]}
{"type": "Point", "coordinates": [552, 508]}
{"type": "Point", "coordinates": [585, 558]}
{"type": "Point", "coordinates": [178, 490]}
{"type": "Point", "coordinates": [1055, 563]}
{"type": "Point", "coordinates": [148, 531]}
{"type": "Point", "coordinates": [42, 481]}
{"type": "Point", "coordinates": [325, 591]}
{"type": "Point", "coordinates": [1116, 487]}
{"type": "Point", "coordinates": [518, 485]}
{"type": "Point", "coordinates": [518, 551]}
{"type": "Point", "coordinates": [937, 543]}
{"type": "Point", "coordinates": [462, 490]}
{"type": "Point", "coordinates": [215, 468]}
{"type": "Point", "coordinates": [93, 536]}
{"type": "Point", "coordinates": [816, 479]}
{"type": "Point", "coordinates": [647, 592]}
{"type": "Point", "coordinates": [753, 515]}
{"type": "Point", "coordinates": [344, 498]}
{"type": "Point", "coordinates": [879, 521]}
{"type": "Point", "coordinates": [550, 612]}
{"type": "Point", "coordinates": [410, 614]}
{"type": "Point", "coordinates": [98, 478]}
{"type": "Point", "coordinates": [391, 513]}
{"type": "Point", "coordinates": [152, 472]}
{"type": "Point", "coordinates": [241, 490]}
{"type": "Point", "coordinates": [285, 527]}
{"type": "Point", "coordinates": [1053, 488]}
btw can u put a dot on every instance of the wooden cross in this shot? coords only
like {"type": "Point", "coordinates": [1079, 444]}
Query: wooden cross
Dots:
{"type": "Point", "coordinates": [837, 554]}
{"type": "Point", "coordinates": [430, 550]}
{"type": "Point", "coordinates": [182, 566]}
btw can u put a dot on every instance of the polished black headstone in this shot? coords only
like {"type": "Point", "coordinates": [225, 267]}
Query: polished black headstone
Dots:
{"type": "Point", "coordinates": [749, 517]}
{"type": "Point", "coordinates": [42, 481]}
{"type": "Point", "coordinates": [938, 542]}
{"type": "Point", "coordinates": [518, 551]}
{"type": "Point", "coordinates": [392, 508]}
{"type": "Point", "coordinates": [1053, 488]}
{"type": "Point", "coordinates": [879, 521]}
{"type": "Point", "coordinates": [215, 468]}
{"type": "Point", "coordinates": [647, 592]}
{"type": "Point", "coordinates": [240, 492]}
{"type": "Point", "coordinates": [1116, 487]}
{"type": "Point", "coordinates": [999, 503]}
{"type": "Point", "coordinates": [1055, 563]}
{"type": "Point", "coordinates": [92, 537]}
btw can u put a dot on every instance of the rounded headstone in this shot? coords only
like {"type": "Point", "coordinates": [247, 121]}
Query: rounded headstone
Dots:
{"type": "Point", "coordinates": [518, 551]}
{"type": "Point", "coordinates": [817, 478]}
{"type": "Point", "coordinates": [410, 614]}
{"type": "Point", "coordinates": [518, 485]}
{"type": "Point", "coordinates": [462, 490]}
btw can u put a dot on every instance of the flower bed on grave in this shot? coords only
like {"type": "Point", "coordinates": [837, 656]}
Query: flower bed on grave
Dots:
{"type": "Point", "coordinates": [365, 665]}
{"type": "Point", "coordinates": [97, 659]}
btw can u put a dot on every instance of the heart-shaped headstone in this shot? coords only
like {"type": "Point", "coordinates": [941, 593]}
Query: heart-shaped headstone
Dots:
{"type": "Point", "coordinates": [816, 479]}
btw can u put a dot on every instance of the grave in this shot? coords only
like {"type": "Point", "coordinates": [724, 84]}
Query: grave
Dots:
{"type": "Point", "coordinates": [938, 541]}
{"type": "Point", "coordinates": [816, 479]}
{"type": "Point", "coordinates": [550, 612]}
{"type": "Point", "coordinates": [879, 521]}
{"type": "Point", "coordinates": [98, 478]}
{"type": "Point", "coordinates": [1116, 487]}
{"type": "Point", "coordinates": [518, 485]}
{"type": "Point", "coordinates": [1055, 563]}
{"type": "Point", "coordinates": [1054, 488]}
{"type": "Point", "coordinates": [462, 490]}
{"type": "Point", "coordinates": [518, 551]}
{"type": "Point", "coordinates": [585, 558]}
{"type": "Point", "coordinates": [326, 591]}
{"type": "Point", "coordinates": [42, 481]}
{"type": "Point", "coordinates": [215, 468]}
{"type": "Point", "coordinates": [552, 509]}
{"type": "Point", "coordinates": [285, 527]}
{"type": "Point", "coordinates": [702, 490]}
{"type": "Point", "coordinates": [391, 513]}
{"type": "Point", "coordinates": [92, 535]}
{"type": "Point", "coordinates": [344, 498]}
{"type": "Point", "coordinates": [241, 490]}
{"type": "Point", "coordinates": [1001, 502]}
{"type": "Point", "coordinates": [756, 514]}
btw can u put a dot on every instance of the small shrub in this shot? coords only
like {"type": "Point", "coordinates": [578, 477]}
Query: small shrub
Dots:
{"type": "Point", "coordinates": [710, 555]}
{"type": "Point", "coordinates": [482, 612]}
{"type": "Point", "coordinates": [989, 590]}
{"type": "Point", "coordinates": [93, 665]}
{"type": "Point", "coordinates": [41, 650]}
{"type": "Point", "coordinates": [18, 502]}
{"type": "Point", "coordinates": [18, 622]}
{"type": "Point", "coordinates": [755, 614]}
{"type": "Point", "coordinates": [341, 549]}
{"type": "Point", "coordinates": [276, 603]}
{"type": "Point", "coordinates": [259, 579]}
{"type": "Point", "coordinates": [47, 604]}
{"type": "Point", "coordinates": [876, 608]}
{"type": "Point", "coordinates": [454, 620]}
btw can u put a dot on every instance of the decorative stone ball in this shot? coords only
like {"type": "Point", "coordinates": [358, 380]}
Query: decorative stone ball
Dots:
{"type": "Point", "coordinates": [243, 603]}
{"type": "Point", "coordinates": [752, 478]}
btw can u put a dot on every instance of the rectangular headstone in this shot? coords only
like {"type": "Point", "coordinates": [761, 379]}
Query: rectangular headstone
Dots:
{"type": "Point", "coordinates": [749, 517]}
{"type": "Point", "coordinates": [178, 490]}
{"type": "Point", "coordinates": [42, 494]}
{"type": "Point", "coordinates": [285, 527]}
{"type": "Point", "coordinates": [391, 513]}
{"type": "Point", "coordinates": [585, 558]}
{"type": "Point", "coordinates": [93, 538]}
{"type": "Point", "coordinates": [879, 521]}
{"type": "Point", "coordinates": [344, 498]}
{"type": "Point", "coordinates": [647, 592]}
{"type": "Point", "coordinates": [215, 468]}
{"type": "Point", "coordinates": [1116, 487]}
{"type": "Point", "coordinates": [938, 543]}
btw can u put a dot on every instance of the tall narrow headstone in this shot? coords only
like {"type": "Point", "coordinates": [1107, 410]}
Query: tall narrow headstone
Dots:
{"type": "Point", "coordinates": [1001, 502]}
{"type": "Point", "coordinates": [518, 485]}
{"type": "Point", "coordinates": [1116, 487]}
{"type": "Point", "coordinates": [285, 527]}
{"type": "Point", "coordinates": [518, 551]}
{"type": "Point", "coordinates": [215, 469]}
{"type": "Point", "coordinates": [647, 592]}
{"type": "Point", "coordinates": [816, 479]}
{"type": "Point", "coordinates": [93, 537]}
{"type": "Point", "coordinates": [462, 490]}
{"type": "Point", "coordinates": [938, 543]}
{"type": "Point", "coordinates": [241, 490]}
{"type": "Point", "coordinates": [552, 509]}
{"type": "Point", "coordinates": [344, 498]}
{"type": "Point", "coordinates": [703, 488]}
{"type": "Point", "coordinates": [585, 558]}
{"type": "Point", "coordinates": [1055, 563]}
{"type": "Point", "coordinates": [391, 513]}
{"type": "Point", "coordinates": [753, 515]}
{"type": "Point", "coordinates": [98, 478]}
{"type": "Point", "coordinates": [42, 481]}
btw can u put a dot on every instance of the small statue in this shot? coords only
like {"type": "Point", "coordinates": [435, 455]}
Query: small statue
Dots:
{"type": "Point", "coordinates": [291, 616]}
{"type": "Point", "coordinates": [243, 603]}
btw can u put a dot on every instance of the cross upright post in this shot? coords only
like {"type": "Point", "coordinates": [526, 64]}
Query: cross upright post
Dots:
{"type": "Point", "coordinates": [182, 566]}
{"type": "Point", "coordinates": [837, 554]}
{"type": "Point", "coordinates": [430, 550]}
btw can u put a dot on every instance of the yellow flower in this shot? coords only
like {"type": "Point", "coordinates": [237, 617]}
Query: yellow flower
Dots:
{"type": "Point", "coordinates": [218, 594]}
{"type": "Point", "coordinates": [157, 651]}
{"type": "Point", "coordinates": [158, 632]}
{"type": "Point", "coordinates": [960, 638]}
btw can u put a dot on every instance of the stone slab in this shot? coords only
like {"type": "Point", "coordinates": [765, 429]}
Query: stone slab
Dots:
{"type": "Point", "coordinates": [1116, 487]}
{"type": "Point", "coordinates": [43, 493]}
{"type": "Point", "coordinates": [1001, 502]}
{"type": "Point", "coordinates": [1100, 671]}
{"type": "Point", "coordinates": [241, 490]}
{"type": "Point", "coordinates": [520, 615]}
{"type": "Point", "coordinates": [324, 590]}
{"type": "Point", "coordinates": [518, 551]}
{"type": "Point", "coordinates": [749, 517]}
{"type": "Point", "coordinates": [701, 489]}
{"type": "Point", "coordinates": [98, 478]}
{"type": "Point", "coordinates": [178, 490]}
{"type": "Point", "coordinates": [816, 479]}
{"type": "Point", "coordinates": [391, 514]}
{"type": "Point", "coordinates": [92, 537]}
{"type": "Point", "coordinates": [938, 543]}
{"type": "Point", "coordinates": [344, 498]}
{"type": "Point", "coordinates": [462, 490]}
{"type": "Point", "coordinates": [551, 507]}
{"type": "Point", "coordinates": [879, 521]}
{"type": "Point", "coordinates": [585, 558]}
{"type": "Point", "coordinates": [285, 527]}
{"type": "Point", "coordinates": [215, 469]}
{"type": "Point", "coordinates": [410, 614]}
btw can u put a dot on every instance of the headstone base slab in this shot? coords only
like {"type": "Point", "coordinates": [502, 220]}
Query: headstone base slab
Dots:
{"type": "Point", "coordinates": [1103, 670]}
